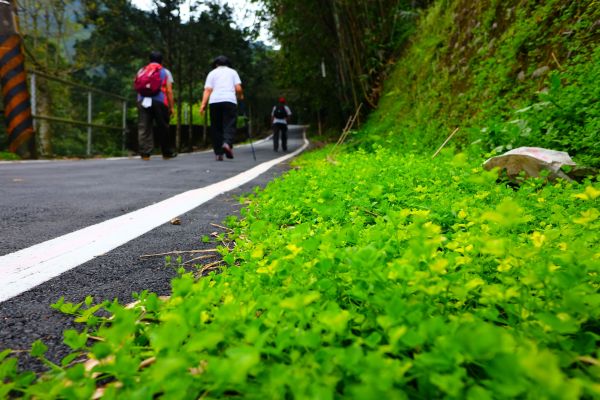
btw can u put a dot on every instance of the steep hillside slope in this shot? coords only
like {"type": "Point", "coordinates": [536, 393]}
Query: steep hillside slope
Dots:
{"type": "Point", "coordinates": [508, 73]}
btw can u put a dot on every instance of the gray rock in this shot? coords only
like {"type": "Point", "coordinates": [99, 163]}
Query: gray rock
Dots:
{"type": "Point", "coordinates": [540, 71]}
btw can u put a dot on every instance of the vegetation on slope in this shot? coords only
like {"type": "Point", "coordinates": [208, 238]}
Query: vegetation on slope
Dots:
{"type": "Point", "coordinates": [508, 73]}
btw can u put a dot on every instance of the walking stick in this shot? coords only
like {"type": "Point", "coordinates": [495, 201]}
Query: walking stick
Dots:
{"type": "Point", "coordinates": [247, 119]}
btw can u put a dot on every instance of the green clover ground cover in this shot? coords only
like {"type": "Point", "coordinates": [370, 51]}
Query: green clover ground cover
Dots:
{"type": "Point", "coordinates": [371, 276]}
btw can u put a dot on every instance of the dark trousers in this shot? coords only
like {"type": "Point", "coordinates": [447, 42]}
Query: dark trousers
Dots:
{"type": "Point", "coordinates": [157, 114]}
{"type": "Point", "coordinates": [222, 125]}
{"type": "Point", "coordinates": [280, 129]}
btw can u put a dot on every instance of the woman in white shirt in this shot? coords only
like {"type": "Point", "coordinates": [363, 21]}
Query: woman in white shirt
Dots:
{"type": "Point", "coordinates": [222, 89]}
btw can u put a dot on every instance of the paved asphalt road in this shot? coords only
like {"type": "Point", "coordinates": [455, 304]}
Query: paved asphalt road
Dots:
{"type": "Point", "coordinates": [40, 201]}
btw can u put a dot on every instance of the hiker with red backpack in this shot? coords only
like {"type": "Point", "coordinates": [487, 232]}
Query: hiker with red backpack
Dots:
{"type": "Point", "coordinates": [222, 89]}
{"type": "Point", "coordinates": [154, 86]}
{"type": "Point", "coordinates": [280, 116]}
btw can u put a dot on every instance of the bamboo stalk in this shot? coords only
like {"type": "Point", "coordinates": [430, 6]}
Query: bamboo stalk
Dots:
{"type": "Point", "coordinates": [445, 141]}
{"type": "Point", "coordinates": [556, 60]}
{"type": "Point", "coordinates": [347, 128]}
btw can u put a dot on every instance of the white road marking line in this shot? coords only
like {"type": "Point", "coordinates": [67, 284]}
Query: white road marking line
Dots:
{"type": "Point", "coordinates": [27, 268]}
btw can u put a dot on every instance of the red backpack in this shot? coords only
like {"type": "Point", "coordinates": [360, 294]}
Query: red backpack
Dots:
{"type": "Point", "coordinates": [147, 82]}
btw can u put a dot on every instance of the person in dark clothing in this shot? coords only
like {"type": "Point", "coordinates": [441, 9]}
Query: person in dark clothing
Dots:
{"type": "Point", "coordinates": [280, 116]}
{"type": "Point", "coordinates": [222, 89]}
{"type": "Point", "coordinates": [155, 109]}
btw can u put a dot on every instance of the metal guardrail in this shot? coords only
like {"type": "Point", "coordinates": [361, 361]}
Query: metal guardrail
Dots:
{"type": "Point", "coordinates": [89, 122]}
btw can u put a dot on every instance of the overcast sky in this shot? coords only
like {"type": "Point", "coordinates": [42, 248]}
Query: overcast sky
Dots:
{"type": "Point", "coordinates": [243, 11]}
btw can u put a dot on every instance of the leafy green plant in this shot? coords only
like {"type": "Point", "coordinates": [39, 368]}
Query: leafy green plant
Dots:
{"type": "Point", "coordinates": [4, 155]}
{"type": "Point", "coordinates": [370, 275]}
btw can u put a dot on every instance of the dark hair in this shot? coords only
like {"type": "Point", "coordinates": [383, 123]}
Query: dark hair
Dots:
{"type": "Point", "coordinates": [221, 61]}
{"type": "Point", "coordinates": [156, 57]}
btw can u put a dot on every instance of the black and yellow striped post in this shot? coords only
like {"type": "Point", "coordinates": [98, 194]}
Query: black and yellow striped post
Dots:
{"type": "Point", "coordinates": [17, 104]}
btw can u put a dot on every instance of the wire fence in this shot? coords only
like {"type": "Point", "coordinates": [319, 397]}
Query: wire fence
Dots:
{"type": "Point", "coordinates": [76, 120]}
{"type": "Point", "coordinates": [58, 106]}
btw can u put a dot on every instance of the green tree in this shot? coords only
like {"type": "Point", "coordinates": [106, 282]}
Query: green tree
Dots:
{"type": "Point", "coordinates": [102, 43]}
{"type": "Point", "coordinates": [337, 51]}
{"type": "Point", "coordinates": [49, 28]}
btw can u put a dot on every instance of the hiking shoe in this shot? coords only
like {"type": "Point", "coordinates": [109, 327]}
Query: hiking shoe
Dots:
{"type": "Point", "coordinates": [228, 151]}
{"type": "Point", "coordinates": [168, 157]}
{"type": "Point", "coordinates": [219, 157]}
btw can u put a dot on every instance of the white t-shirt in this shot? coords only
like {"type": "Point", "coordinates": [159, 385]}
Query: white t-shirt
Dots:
{"type": "Point", "coordinates": [281, 120]}
{"type": "Point", "coordinates": [222, 81]}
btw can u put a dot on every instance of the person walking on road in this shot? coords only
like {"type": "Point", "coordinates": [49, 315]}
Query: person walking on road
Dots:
{"type": "Point", "coordinates": [222, 89]}
{"type": "Point", "coordinates": [154, 85]}
{"type": "Point", "coordinates": [280, 116]}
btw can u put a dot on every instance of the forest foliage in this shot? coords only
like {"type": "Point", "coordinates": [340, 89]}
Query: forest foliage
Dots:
{"type": "Point", "coordinates": [103, 43]}
{"type": "Point", "coordinates": [334, 54]}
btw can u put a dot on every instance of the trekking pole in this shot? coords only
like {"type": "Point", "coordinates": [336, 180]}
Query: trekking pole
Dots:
{"type": "Point", "coordinates": [247, 119]}
{"type": "Point", "coordinates": [251, 145]}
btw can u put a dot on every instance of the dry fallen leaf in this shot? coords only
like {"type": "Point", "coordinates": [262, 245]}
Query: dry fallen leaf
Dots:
{"type": "Point", "coordinates": [175, 221]}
